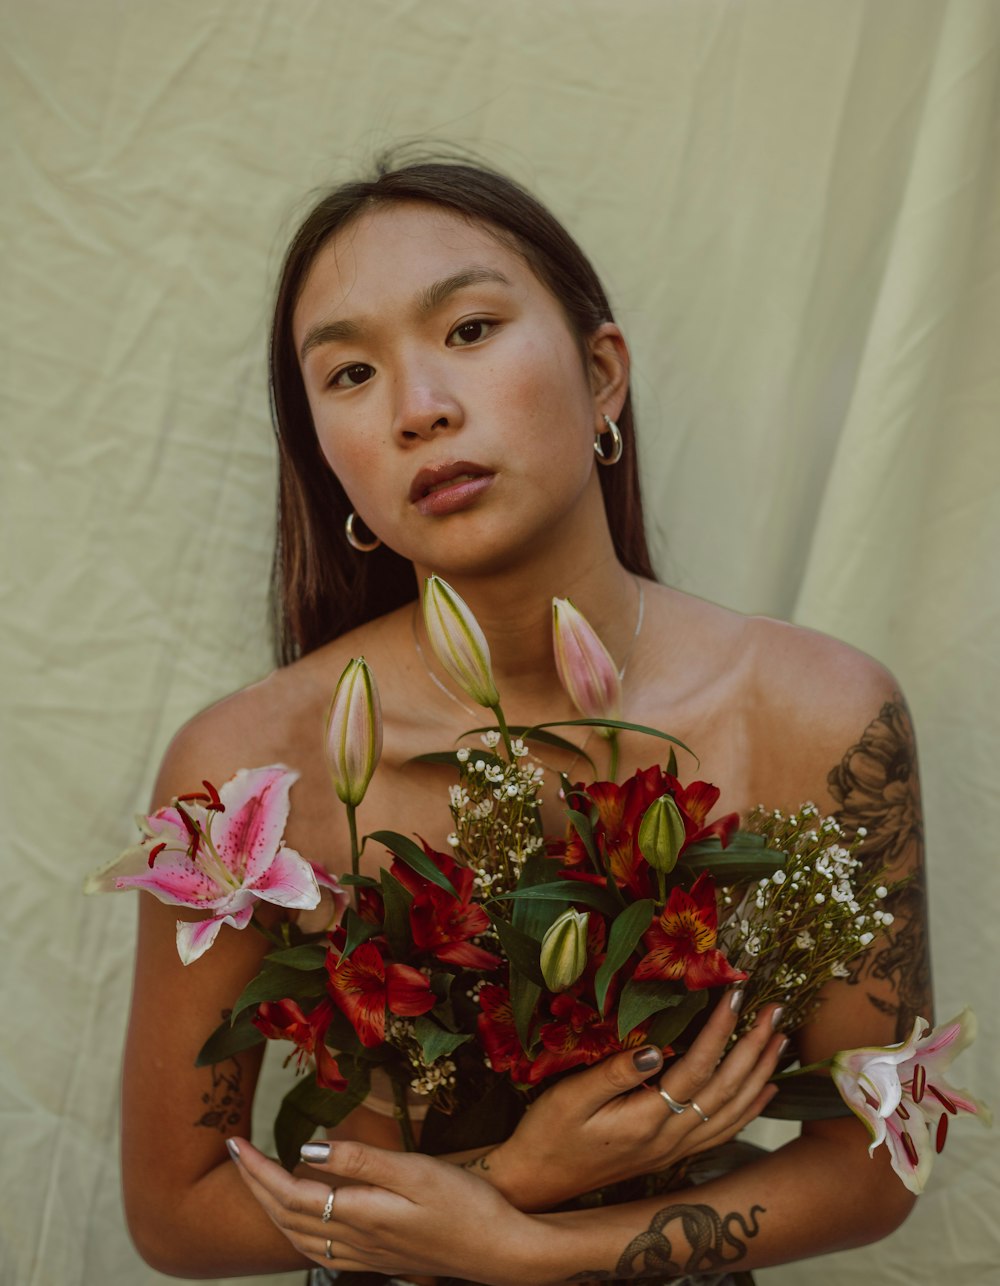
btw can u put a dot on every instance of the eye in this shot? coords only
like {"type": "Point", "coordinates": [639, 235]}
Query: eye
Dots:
{"type": "Point", "coordinates": [470, 332]}
{"type": "Point", "coordinates": [353, 375]}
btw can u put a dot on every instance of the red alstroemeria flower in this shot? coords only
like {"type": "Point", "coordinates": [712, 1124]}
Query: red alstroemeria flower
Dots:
{"type": "Point", "coordinates": [416, 883]}
{"type": "Point", "coordinates": [443, 924]}
{"type": "Point", "coordinates": [498, 1034]}
{"type": "Point", "coordinates": [440, 922]}
{"type": "Point", "coordinates": [578, 1036]}
{"type": "Point", "coordinates": [284, 1020]}
{"type": "Point", "coordinates": [620, 811]}
{"type": "Point", "coordinates": [681, 941]}
{"type": "Point", "coordinates": [363, 986]}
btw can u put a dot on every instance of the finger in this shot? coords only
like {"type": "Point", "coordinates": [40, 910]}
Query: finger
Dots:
{"type": "Point", "coordinates": [404, 1173]}
{"type": "Point", "coordinates": [696, 1068]}
{"type": "Point", "coordinates": [731, 1092]}
{"type": "Point", "coordinates": [591, 1088]}
{"type": "Point", "coordinates": [720, 1130]}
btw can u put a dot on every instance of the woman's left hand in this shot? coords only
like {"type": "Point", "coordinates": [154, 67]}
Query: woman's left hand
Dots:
{"type": "Point", "coordinates": [397, 1213]}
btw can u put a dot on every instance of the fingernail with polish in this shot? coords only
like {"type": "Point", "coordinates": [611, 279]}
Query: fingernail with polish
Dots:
{"type": "Point", "coordinates": [647, 1059]}
{"type": "Point", "coordinates": [234, 1149]}
{"type": "Point", "coordinates": [776, 1016]}
{"type": "Point", "coordinates": [736, 1000]}
{"type": "Point", "coordinates": [318, 1152]}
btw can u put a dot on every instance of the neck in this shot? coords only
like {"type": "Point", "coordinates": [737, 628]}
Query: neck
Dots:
{"type": "Point", "coordinates": [514, 609]}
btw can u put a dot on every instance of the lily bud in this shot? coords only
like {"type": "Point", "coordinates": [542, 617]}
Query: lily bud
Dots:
{"type": "Point", "coordinates": [662, 834]}
{"type": "Point", "coordinates": [564, 950]}
{"type": "Point", "coordinates": [458, 642]}
{"type": "Point", "coordinates": [354, 732]}
{"type": "Point", "coordinates": [585, 667]}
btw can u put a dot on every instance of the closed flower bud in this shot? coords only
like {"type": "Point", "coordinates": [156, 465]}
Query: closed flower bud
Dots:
{"type": "Point", "coordinates": [354, 732]}
{"type": "Point", "coordinates": [564, 950]}
{"type": "Point", "coordinates": [458, 642]}
{"type": "Point", "coordinates": [585, 667]}
{"type": "Point", "coordinates": [662, 834]}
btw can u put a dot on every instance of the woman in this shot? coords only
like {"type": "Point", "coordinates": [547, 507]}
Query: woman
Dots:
{"type": "Point", "coordinates": [448, 381]}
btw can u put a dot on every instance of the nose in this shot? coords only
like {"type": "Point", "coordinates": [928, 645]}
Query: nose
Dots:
{"type": "Point", "coordinates": [424, 402]}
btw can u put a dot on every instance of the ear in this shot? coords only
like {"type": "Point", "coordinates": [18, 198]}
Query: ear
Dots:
{"type": "Point", "coordinates": [608, 364]}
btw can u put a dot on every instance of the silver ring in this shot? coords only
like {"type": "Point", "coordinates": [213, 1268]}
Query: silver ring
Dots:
{"type": "Point", "coordinates": [694, 1105]}
{"type": "Point", "coordinates": [329, 1248]}
{"type": "Point", "coordinates": [672, 1103]}
{"type": "Point", "coordinates": [327, 1214]}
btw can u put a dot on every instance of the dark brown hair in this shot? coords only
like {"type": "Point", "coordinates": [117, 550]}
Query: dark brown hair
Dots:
{"type": "Point", "coordinates": [321, 587]}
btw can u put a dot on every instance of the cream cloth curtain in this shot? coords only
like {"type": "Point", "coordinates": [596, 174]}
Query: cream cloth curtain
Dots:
{"type": "Point", "coordinates": [795, 204]}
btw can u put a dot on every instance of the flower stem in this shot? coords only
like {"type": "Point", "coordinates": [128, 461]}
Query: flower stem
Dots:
{"type": "Point", "coordinates": [822, 1065]}
{"type": "Point", "coordinates": [402, 1115]}
{"type": "Point", "coordinates": [274, 938]}
{"type": "Point", "coordinates": [355, 850]}
{"type": "Point", "coordinates": [504, 733]}
{"type": "Point", "coordinates": [613, 743]}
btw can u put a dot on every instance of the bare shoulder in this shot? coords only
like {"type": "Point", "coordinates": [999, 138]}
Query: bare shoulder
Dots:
{"type": "Point", "coordinates": [279, 719]}
{"type": "Point", "coordinates": [805, 677]}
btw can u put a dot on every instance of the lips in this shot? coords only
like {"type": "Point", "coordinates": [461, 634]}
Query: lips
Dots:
{"type": "Point", "coordinates": [431, 480]}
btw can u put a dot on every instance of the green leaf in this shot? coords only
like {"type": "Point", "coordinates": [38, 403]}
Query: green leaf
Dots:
{"type": "Point", "coordinates": [582, 826]}
{"type": "Point", "coordinates": [358, 931]}
{"type": "Point", "coordinates": [640, 999]}
{"type": "Point", "coordinates": [397, 901]}
{"type": "Point", "coordinates": [434, 1040]}
{"type": "Point", "coordinates": [451, 758]}
{"type": "Point", "coordinates": [807, 1098]}
{"type": "Point", "coordinates": [307, 1105]}
{"type": "Point", "coordinates": [671, 1023]}
{"type": "Point", "coordinates": [746, 858]}
{"type": "Point", "coordinates": [613, 723]}
{"type": "Point", "coordinates": [228, 1039]}
{"type": "Point", "coordinates": [278, 982]}
{"type": "Point", "coordinates": [414, 857]}
{"type": "Point", "coordinates": [363, 881]}
{"type": "Point", "coordinates": [566, 891]}
{"type": "Point", "coordinates": [312, 955]}
{"type": "Point", "coordinates": [521, 949]}
{"type": "Point", "coordinates": [534, 917]}
{"type": "Point", "coordinates": [626, 931]}
{"type": "Point", "coordinates": [523, 997]}
{"type": "Point", "coordinates": [558, 743]}
{"type": "Point", "coordinates": [672, 763]}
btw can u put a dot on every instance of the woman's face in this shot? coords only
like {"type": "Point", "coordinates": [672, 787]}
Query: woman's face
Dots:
{"type": "Point", "coordinates": [447, 391]}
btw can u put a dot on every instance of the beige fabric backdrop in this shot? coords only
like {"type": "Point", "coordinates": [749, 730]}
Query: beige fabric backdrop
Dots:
{"type": "Point", "coordinates": [795, 204]}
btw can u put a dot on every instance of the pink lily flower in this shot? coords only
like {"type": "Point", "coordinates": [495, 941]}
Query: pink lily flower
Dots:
{"type": "Point", "coordinates": [218, 851]}
{"type": "Point", "coordinates": [901, 1095]}
{"type": "Point", "coordinates": [584, 664]}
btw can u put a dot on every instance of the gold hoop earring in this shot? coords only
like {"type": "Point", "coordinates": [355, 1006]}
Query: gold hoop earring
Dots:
{"type": "Point", "coordinates": [617, 445]}
{"type": "Point", "coordinates": [355, 542]}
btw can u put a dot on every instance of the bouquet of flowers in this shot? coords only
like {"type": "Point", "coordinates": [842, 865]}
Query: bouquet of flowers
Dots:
{"type": "Point", "coordinates": [473, 977]}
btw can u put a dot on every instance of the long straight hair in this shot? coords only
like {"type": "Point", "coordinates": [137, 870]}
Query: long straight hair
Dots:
{"type": "Point", "coordinates": [322, 588]}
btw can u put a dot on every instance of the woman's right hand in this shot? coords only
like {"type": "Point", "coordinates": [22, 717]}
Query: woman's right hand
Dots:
{"type": "Point", "coordinates": [605, 1123]}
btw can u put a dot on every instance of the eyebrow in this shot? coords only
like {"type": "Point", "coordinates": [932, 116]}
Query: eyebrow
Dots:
{"type": "Point", "coordinates": [427, 301]}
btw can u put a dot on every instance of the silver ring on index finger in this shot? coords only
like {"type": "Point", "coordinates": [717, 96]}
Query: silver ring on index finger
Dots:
{"type": "Point", "coordinates": [327, 1214]}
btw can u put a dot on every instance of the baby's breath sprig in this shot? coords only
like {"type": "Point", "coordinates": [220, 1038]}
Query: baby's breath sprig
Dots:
{"type": "Point", "coordinates": [797, 929]}
{"type": "Point", "coordinates": [434, 1080]}
{"type": "Point", "coordinates": [495, 810]}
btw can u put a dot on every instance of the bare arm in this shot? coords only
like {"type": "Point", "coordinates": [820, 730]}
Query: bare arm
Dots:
{"type": "Point", "coordinates": [187, 1211]}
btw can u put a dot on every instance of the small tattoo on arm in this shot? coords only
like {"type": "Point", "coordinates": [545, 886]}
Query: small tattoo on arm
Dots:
{"type": "Point", "coordinates": [711, 1237]}
{"type": "Point", "coordinates": [225, 1101]}
{"type": "Point", "coordinates": [477, 1163]}
{"type": "Point", "coordinates": [876, 786]}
